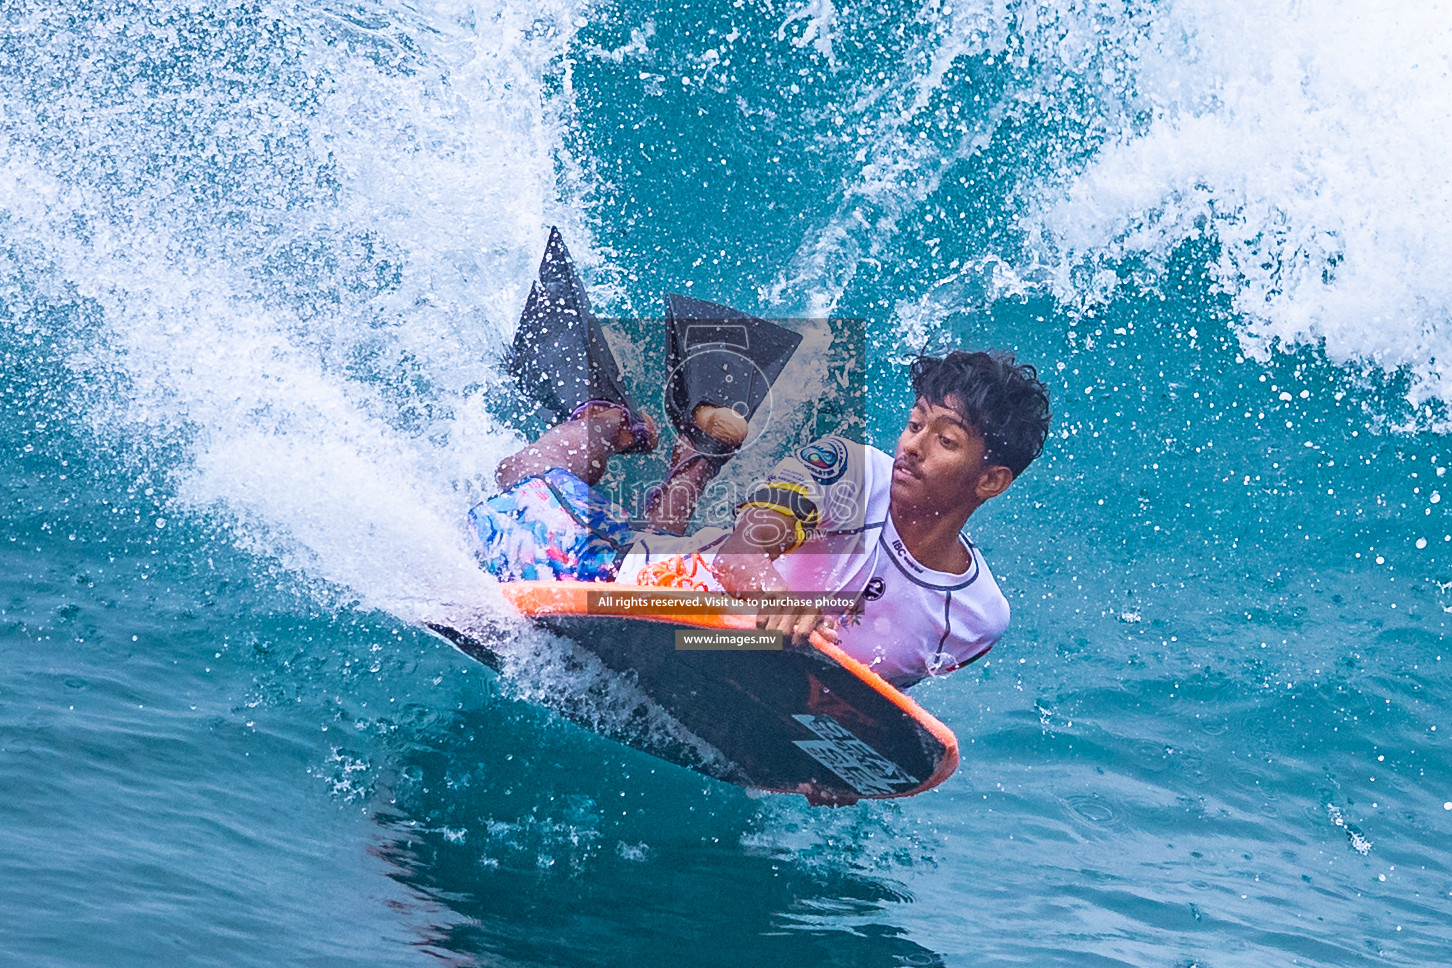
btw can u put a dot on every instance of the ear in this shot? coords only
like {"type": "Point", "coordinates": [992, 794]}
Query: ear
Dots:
{"type": "Point", "coordinates": [992, 482]}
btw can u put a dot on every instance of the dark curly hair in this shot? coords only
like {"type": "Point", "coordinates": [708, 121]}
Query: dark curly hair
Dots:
{"type": "Point", "coordinates": [1002, 399]}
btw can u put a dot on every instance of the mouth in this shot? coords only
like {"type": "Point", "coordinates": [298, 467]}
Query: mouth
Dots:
{"type": "Point", "coordinates": [901, 470]}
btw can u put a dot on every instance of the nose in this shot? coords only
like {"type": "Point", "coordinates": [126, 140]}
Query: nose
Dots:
{"type": "Point", "coordinates": [907, 444]}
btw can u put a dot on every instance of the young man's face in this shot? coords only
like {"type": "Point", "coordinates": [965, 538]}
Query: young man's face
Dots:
{"type": "Point", "coordinates": [940, 465]}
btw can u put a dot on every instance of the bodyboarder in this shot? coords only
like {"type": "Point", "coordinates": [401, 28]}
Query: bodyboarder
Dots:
{"type": "Point", "coordinates": [836, 520]}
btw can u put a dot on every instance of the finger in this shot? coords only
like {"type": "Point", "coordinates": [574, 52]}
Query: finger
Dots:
{"type": "Point", "coordinates": [802, 626]}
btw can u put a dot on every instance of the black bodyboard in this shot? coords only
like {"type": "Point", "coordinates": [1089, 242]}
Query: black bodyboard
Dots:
{"type": "Point", "coordinates": [796, 721]}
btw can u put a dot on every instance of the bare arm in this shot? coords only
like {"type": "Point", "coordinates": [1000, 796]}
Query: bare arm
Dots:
{"type": "Point", "coordinates": [744, 567]}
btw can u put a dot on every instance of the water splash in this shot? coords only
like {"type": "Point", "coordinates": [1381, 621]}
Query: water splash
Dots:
{"type": "Point", "coordinates": [300, 237]}
{"type": "Point", "coordinates": [1084, 146]}
{"type": "Point", "coordinates": [1304, 140]}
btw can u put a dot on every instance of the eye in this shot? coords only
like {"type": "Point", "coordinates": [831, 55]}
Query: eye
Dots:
{"type": "Point", "coordinates": [948, 442]}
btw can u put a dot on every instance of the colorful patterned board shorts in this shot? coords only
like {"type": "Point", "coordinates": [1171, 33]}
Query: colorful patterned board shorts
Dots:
{"type": "Point", "coordinates": [550, 527]}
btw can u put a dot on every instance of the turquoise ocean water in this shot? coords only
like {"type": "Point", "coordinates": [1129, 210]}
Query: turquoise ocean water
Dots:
{"type": "Point", "coordinates": [259, 262]}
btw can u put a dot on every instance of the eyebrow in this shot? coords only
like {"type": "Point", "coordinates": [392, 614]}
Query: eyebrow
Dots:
{"type": "Point", "coordinates": [953, 415]}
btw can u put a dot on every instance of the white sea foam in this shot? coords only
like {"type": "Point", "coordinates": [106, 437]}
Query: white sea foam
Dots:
{"type": "Point", "coordinates": [1305, 140]}
{"type": "Point", "coordinates": [1309, 141]}
{"type": "Point", "coordinates": [306, 233]}
{"type": "Point", "coordinates": [819, 20]}
{"type": "Point", "coordinates": [1358, 842]}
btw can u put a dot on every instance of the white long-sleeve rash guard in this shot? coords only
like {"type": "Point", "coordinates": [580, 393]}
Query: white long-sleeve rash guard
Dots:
{"type": "Point", "coordinates": [907, 621]}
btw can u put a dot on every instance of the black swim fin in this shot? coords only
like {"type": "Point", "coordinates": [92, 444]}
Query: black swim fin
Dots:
{"type": "Point", "coordinates": [561, 358]}
{"type": "Point", "coordinates": [723, 357]}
